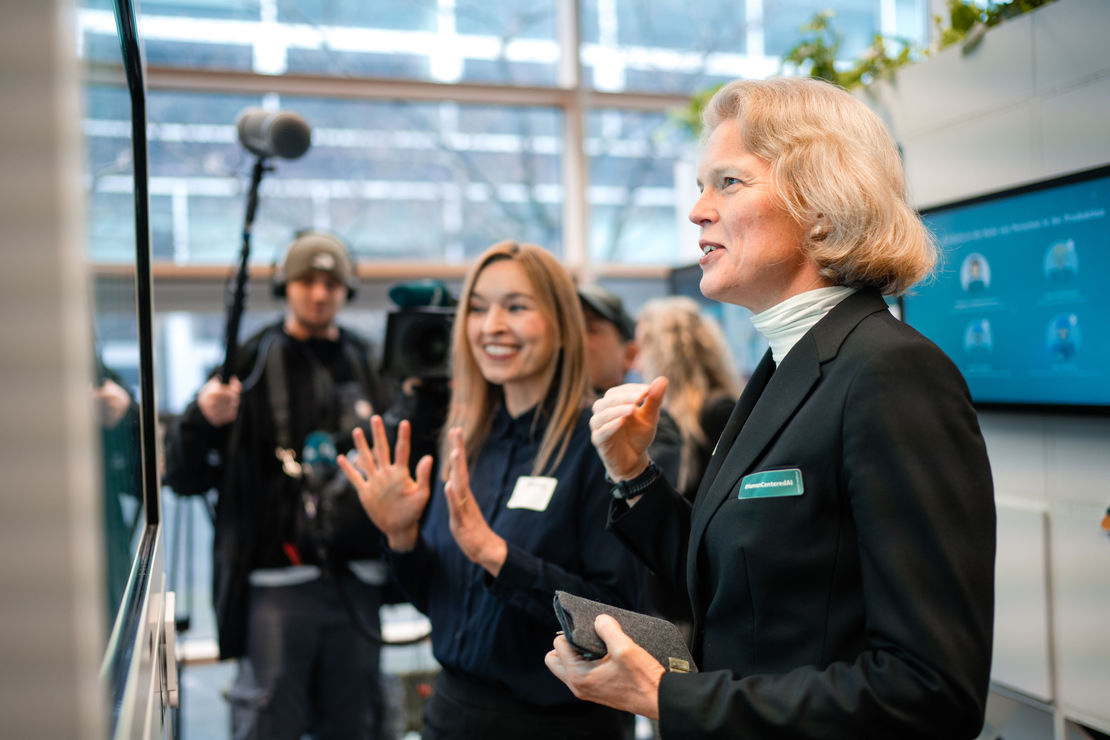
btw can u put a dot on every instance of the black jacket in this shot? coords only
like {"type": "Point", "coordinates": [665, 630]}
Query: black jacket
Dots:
{"type": "Point", "coordinates": [258, 508]}
{"type": "Point", "coordinates": [861, 606]}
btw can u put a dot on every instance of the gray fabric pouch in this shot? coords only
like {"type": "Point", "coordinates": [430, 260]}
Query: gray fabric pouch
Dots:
{"type": "Point", "coordinates": [658, 636]}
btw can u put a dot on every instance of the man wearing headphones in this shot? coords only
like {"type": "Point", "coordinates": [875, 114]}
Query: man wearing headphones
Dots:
{"type": "Point", "coordinates": [296, 578]}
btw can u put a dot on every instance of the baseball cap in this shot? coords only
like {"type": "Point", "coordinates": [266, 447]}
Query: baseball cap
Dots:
{"type": "Point", "coordinates": [609, 307]}
{"type": "Point", "coordinates": [315, 250]}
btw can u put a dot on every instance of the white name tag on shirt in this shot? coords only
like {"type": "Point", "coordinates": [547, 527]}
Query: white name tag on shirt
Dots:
{"type": "Point", "coordinates": [532, 492]}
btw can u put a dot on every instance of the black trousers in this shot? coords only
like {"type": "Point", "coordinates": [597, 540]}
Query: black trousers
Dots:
{"type": "Point", "coordinates": [462, 709]}
{"type": "Point", "coordinates": [307, 666]}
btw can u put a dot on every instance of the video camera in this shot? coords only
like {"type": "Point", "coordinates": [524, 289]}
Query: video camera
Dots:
{"type": "Point", "coordinates": [418, 333]}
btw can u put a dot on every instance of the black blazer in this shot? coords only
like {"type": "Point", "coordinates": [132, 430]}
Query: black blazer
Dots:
{"type": "Point", "coordinates": [862, 605]}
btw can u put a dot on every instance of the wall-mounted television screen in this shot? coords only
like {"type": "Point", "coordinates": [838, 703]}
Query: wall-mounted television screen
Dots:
{"type": "Point", "coordinates": [1021, 301]}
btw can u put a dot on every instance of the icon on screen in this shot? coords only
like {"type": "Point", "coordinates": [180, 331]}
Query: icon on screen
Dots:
{"type": "Point", "coordinates": [1061, 263]}
{"type": "Point", "coordinates": [978, 340]}
{"type": "Point", "coordinates": [975, 273]}
{"type": "Point", "coordinates": [1064, 337]}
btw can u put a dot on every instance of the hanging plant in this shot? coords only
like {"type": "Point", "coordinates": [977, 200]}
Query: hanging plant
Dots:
{"type": "Point", "coordinates": [817, 55]}
{"type": "Point", "coordinates": [968, 20]}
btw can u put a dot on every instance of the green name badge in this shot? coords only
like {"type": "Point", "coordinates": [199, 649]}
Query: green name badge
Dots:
{"type": "Point", "coordinates": [772, 483]}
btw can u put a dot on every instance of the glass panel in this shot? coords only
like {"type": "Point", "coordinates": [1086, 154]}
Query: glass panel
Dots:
{"type": "Point", "coordinates": [913, 20]}
{"type": "Point", "coordinates": [202, 9]}
{"type": "Point", "coordinates": [115, 380]}
{"type": "Point", "coordinates": [665, 45]}
{"type": "Point", "coordinates": [398, 180]}
{"type": "Point", "coordinates": [116, 392]}
{"type": "Point", "coordinates": [497, 41]}
{"type": "Point", "coordinates": [640, 180]}
{"type": "Point", "coordinates": [856, 20]}
{"type": "Point", "coordinates": [661, 46]}
{"type": "Point", "coordinates": [412, 15]}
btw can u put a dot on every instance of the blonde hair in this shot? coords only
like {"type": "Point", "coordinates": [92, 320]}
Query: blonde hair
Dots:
{"type": "Point", "coordinates": [836, 170]}
{"type": "Point", "coordinates": [473, 398]}
{"type": "Point", "coordinates": [688, 348]}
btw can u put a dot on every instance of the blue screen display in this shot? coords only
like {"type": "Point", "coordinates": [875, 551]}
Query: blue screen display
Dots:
{"type": "Point", "coordinates": [1021, 302]}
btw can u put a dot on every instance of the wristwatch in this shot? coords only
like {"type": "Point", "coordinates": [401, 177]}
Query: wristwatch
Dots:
{"type": "Point", "coordinates": [633, 487]}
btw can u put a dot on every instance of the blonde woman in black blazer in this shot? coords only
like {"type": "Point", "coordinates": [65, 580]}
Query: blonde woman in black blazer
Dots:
{"type": "Point", "coordinates": [839, 553]}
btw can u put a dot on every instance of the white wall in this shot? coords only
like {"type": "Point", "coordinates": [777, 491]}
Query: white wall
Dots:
{"type": "Point", "coordinates": [1027, 103]}
{"type": "Point", "coordinates": [1030, 102]}
{"type": "Point", "coordinates": [51, 573]}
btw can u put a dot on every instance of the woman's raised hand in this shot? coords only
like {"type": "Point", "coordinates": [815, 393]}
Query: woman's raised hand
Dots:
{"type": "Point", "coordinates": [387, 491]}
{"type": "Point", "coordinates": [469, 527]}
{"type": "Point", "coordinates": [623, 426]}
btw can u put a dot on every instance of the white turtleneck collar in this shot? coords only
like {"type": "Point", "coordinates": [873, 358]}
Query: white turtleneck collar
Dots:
{"type": "Point", "coordinates": [783, 324]}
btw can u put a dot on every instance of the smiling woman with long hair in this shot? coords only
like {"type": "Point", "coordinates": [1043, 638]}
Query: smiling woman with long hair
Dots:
{"type": "Point", "coordinates": [517, 511]}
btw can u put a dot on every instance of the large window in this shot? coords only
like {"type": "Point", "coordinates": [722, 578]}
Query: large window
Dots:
{"type": "Point", "coordinates": [408, 168]}
{"type": "Point", "coordinates": [636, 170]}
{"type": "Point", "coordinates": [399, 180]}
{"type": "Point", "coordinates": [625, 45]}
{"type": "Point", "coordinates": [669, 46]}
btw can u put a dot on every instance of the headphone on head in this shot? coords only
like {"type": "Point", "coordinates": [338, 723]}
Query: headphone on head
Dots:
{"type": "Point", "coordinates": [306, 245]}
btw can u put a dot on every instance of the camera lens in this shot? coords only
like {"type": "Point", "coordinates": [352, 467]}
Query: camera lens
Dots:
{"type": "Point", "coordinates": [418, 342]}
{"type": "Point", "coordinates": [431, 341]}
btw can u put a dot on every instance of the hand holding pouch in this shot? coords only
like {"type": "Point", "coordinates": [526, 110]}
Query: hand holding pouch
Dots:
{"type": "Point", "coordinates": [658, 636]}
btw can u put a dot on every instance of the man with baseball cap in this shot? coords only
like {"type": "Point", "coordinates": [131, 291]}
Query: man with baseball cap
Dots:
{"type": "Point", "coordinates": [297, 579]}
{"type": "Point", "coordinates": [611, 350]}
{"type": "Point", "coordinates": [316, 278]}
{"type": "Point", "coordinates": [610, 337]}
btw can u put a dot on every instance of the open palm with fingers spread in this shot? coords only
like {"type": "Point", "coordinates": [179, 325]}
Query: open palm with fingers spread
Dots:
{"type": "Point", "coordinates": [468, 526]}
{"type": "Point", "coordinates": [391, 497]}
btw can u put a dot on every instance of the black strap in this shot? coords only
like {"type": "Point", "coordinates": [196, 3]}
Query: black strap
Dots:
{"type": "Point", "coordinates": [277, 387]}
{"type": "Point", "coordinates": [278, 390]}
{"type": "Point", "coordinates": [355, 361]}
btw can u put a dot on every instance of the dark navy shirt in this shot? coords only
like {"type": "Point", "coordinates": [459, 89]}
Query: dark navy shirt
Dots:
{"type": "Point", "coordinates": [497, 630]}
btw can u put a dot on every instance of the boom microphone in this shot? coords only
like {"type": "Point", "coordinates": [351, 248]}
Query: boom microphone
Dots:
{"type": "Point", "coordinates": [269, 133]}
